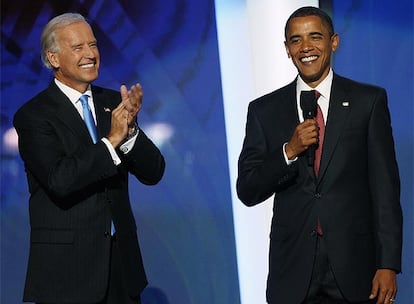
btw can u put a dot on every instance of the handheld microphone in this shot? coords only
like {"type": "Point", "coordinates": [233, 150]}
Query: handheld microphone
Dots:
{"type": "Point", "coordinates": [308, 103]}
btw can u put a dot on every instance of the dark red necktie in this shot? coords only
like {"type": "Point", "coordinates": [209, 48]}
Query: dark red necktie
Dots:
{"type": "Point", "coordinates": [318, 151]}
{"type": "Point", "coordinates": [321, 125]}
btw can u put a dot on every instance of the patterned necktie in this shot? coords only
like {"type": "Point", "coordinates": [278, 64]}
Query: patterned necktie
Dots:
{"type": "Point", "coordinates": [321, 124]}
{"type": "Point", "coordinates": [88, 118]}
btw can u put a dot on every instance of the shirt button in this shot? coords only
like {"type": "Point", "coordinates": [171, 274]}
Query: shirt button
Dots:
{"type": "Point", "coordinates": [318, 195]}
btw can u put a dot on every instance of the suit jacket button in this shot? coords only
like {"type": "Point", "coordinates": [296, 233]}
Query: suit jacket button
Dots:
{"type": "Point", "coordinates": [313, 233]}
{"type": "Point", "coordinates": [318, 195]}
{"type": "Point", "coordinates": [107, 234]}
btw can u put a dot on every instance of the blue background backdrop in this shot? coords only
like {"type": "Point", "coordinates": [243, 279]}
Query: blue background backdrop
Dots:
{"type": "Point", "coordinates": [170, 47]}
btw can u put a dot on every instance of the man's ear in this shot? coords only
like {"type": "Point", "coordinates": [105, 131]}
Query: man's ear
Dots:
{"type": "Point", "coordinates": [335, 42]}
{"type": "Point", "coordinates": [53, 59]}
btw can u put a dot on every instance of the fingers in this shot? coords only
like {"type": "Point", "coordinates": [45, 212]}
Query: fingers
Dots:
{"type": "Point", "coordinates": [374, 290]}
{"type": "Point", "coordinates": [132, 96]}
{"type": "Point", "coordinates": [119, 125]}
{"type": "Point", "coordinates": [136, 92]}
{"type": "Point", "coordinates": [305, 135]}
{"type": "Point", "coordinates": [124, 92]}
{"type": "Point", "coordinates": [132, 100]}
{"type": "Point", "coordinates": [384, 286]}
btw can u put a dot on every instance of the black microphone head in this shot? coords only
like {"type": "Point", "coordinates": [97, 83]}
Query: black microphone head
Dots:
{"type": "Point", "coordinates": [308, 104]}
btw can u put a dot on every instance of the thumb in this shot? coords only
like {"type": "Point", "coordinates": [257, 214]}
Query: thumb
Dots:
{"type": "Point", "coordinates": [374, 290]}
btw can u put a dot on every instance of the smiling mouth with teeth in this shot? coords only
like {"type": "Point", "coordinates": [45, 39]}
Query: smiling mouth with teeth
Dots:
{"type": "Point", "coordinates": [308, 59]}
{"type": "Point", "coordinates": [86, 66]}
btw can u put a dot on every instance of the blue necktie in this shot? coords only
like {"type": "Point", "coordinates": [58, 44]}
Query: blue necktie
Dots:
{"type": "Point", "coordinates": [88, 118]}
{"type": "Point", "coordinates": [90, 124]}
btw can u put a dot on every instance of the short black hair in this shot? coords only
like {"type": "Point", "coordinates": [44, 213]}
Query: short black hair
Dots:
{"type": "Point", "coordinates": [311, 11]}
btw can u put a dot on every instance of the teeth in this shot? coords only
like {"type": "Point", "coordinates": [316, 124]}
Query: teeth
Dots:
{"type": "Point", "coordinates": [87, 66]}
{"type": "Point", "coordinates": [307, 59]}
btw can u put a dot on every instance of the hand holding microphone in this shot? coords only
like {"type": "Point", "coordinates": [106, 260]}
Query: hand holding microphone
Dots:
{"type": "Point", "coordinates": [306, 134]}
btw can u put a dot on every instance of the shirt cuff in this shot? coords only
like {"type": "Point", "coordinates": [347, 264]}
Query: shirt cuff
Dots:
{"type": "Point", "coordinates": [112, 151]}
{"type": "Point", "coordinates": [129, 144]}
{"type": "Point", "coordinates": [287, 160]}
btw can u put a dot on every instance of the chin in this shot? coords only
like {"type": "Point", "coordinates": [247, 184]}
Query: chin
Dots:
{"type": "Point", "coordinates": [310, 78]}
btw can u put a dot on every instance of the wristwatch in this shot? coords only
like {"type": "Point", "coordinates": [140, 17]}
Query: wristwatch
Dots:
{"type": "Point", "coordinates": [132, 131]}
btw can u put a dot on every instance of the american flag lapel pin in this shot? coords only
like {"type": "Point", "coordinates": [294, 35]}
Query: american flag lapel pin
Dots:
{"type": "Point", "coordinates": [345, 103]}
{"type": "Point", "coordinates": [107, 109]}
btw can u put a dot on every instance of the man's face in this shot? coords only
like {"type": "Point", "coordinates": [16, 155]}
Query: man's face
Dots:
{"type": "Point", "coordinates": [77, 61]}
{"type": "Point", "coordinates": [310, 46]}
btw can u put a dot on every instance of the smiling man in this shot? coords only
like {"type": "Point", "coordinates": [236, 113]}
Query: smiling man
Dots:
{"type": "Point", "coordinates": [79, 144]}
{"type": "Point", "coordinates": [323, 145]}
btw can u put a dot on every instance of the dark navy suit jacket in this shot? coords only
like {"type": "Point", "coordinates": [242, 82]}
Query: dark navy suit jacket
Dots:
{"type": "Point", "coordinates": [75, 193]}
{"type": "Point", "coordinates": [356, 195]}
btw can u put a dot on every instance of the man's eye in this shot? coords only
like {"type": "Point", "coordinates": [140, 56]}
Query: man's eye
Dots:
{"type": "Point", "coordinates": [316, 38]}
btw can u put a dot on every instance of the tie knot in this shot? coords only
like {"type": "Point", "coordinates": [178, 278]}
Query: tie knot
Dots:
{"type": "Point", "coordinates": [84, 99]}
{"type": "Point", "coordinates": [317, 94]}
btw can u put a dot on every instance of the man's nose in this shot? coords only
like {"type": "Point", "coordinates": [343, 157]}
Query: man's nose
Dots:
{"type": "Point", "coordinates": [89, 51]}
{"type": "Point", "coordinates": [306, 46]}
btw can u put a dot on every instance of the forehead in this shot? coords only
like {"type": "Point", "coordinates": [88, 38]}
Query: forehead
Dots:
{"type": "Point", "coordinates": [75, 32]}
{"type": "Point", "coordinates": [307, 24]}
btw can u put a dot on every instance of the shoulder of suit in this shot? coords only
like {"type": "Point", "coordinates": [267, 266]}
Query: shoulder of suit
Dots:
{"type": "Point", "coordinates": [276, 95]}
{"type": "Point", "coordinates": [40, 102]}
{"type": "Point", "coordinates": [97, 90]}
{"type": "Point", "coordinates": [356, 85]}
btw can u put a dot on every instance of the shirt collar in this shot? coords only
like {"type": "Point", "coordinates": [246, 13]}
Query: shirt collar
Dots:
{"type": "Point", "coordinates": [324, 88]}
{"type": "Point", "coordinates": [71, 93]}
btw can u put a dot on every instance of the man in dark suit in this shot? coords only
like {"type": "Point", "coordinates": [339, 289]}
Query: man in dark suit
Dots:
{"type": "Point", "coordinates": [83, 242]}
{"type": "Point", "coordinates": [336, 232]}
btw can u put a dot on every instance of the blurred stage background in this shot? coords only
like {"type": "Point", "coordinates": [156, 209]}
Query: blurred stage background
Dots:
{"type": "Point", "coordinates": [200, 63]}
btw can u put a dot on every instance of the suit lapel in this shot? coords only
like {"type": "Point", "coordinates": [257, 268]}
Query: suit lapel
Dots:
{"type": "Point", "coordinates": [67, 113]}
{"type": "Point", "coordinates": [103, 110]}
{"type": "Point", "coordinates": [290, 108]}
{"type": "Point", "coordinates": [339, 109]}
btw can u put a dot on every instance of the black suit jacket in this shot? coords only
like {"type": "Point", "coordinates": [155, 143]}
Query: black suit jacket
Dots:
{"type": "Point", "coordinates": [356, 195]}
{"type": "Point", "coordinates": [75, 192]}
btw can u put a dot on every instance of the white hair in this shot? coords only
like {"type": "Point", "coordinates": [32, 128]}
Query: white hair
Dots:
{"type": "Point", "coordinates": [48, 38]}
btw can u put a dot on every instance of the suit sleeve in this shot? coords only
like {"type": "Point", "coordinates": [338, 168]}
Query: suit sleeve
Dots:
{"type": "Point", "coordinates": [145, 160]}
{"type": "Point", "coordinates": [262, 169]}
{"type": "Point", "coordinates": [384, 186]}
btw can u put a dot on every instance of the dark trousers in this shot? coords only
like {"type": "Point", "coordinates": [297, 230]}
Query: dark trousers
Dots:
{"type": "Point", "coordinates": [323, 288]}
{"type": "Point", "coordinates": [116, 293]}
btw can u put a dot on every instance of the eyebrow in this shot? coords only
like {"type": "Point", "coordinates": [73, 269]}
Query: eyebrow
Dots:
{"type": "Point", "coordinates": [315, 33]}
{"type": "Point", "coordinates": [310, 34]}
